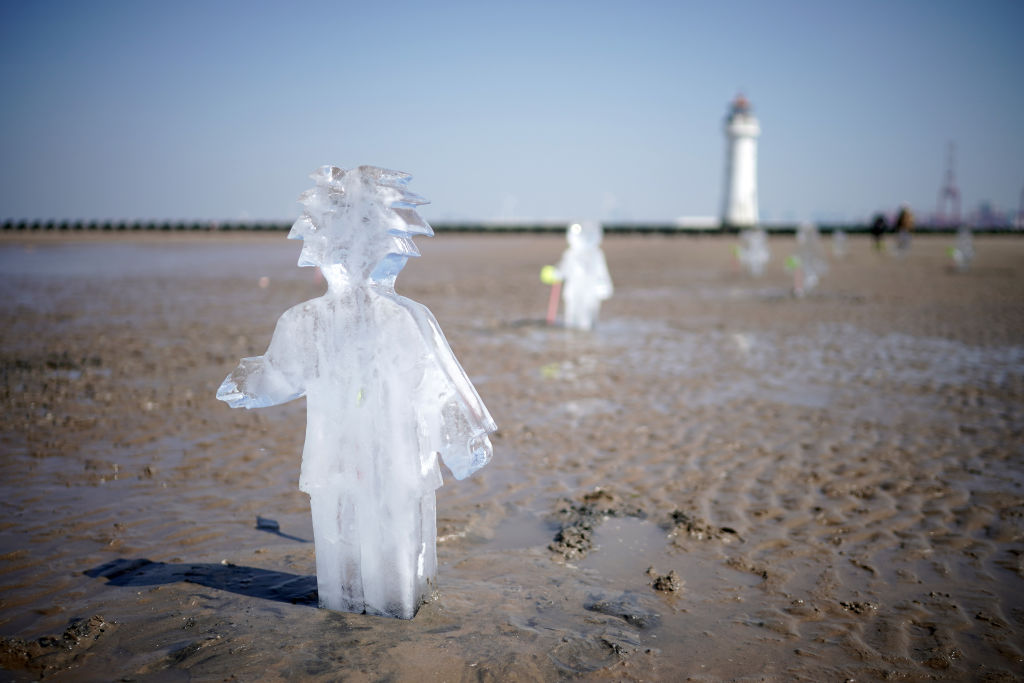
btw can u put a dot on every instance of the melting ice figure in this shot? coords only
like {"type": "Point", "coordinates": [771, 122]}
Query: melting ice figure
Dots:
{"type": "Point", "coordinates": [963, 252]}
{"type": "Point", "coordinates": [811, 263]}
{"type": "Point", "coordinates": [585, 273]}
{"type": "Point", "coordinates": [384, 395]}
{"type": "Point", "coordinates": [753, 252]}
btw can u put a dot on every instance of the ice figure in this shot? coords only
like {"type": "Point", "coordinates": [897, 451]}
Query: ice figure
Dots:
{"type": "Point", "coordinates": [585, 273]}
{"type": "Point", "coordinates": [384, 395]}
{"type": "Point", "coordinates": [963, 252]}
{"type": "Point", "coordinates": [753, 252]}
{"type": "Point", "coordinates": [839, 243]}
{"type": "Point", "coordinates": [809, 263]}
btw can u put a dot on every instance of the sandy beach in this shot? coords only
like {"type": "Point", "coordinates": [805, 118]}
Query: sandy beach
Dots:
{"type": "Point", "coordinates": [720, 482]}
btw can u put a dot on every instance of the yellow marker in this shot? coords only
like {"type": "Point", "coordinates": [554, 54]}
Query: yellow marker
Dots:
{"type": "Point", "coordinates": [549, 275]}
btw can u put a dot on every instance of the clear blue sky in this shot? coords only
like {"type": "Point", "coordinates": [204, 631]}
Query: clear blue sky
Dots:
{"type": "Point", "coordinates": [524, 110]}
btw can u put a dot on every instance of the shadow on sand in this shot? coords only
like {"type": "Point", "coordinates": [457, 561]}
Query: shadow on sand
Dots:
{"type": "Point", "coordinates": [250, 581]}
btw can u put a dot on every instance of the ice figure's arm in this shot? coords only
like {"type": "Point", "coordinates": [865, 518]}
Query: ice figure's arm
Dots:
{"type": "Point", "coordinates": [463, 444]}
{"type": "Point", "coordinates": [273, 378]}
{"type": "Point", "coordinates": [564, 264]}
{"type": "Point", "coordinates": [602, 279]}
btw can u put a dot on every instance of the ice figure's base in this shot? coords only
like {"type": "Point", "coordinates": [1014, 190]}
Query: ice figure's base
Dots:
{"type": "Point", "coordinates": [395, 611]}
{"type": "Point", "coordinates": [377, 559]}
{"type": "Point", "coordinates": [581, 315]}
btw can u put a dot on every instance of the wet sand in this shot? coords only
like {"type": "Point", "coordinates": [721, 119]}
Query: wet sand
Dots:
{"type": "Point", "coordinates": [721, 482]}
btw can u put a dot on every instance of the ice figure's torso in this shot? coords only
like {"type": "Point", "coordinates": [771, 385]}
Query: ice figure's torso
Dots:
{"type": "Point", "coordinates": [587, 284]}
{"type": "Point", "coordinates": [963, 253]}
{"type": "Point", "coordinates": [812, 257]}
{"type": "Point", "coordinates": [585, 272]}
{"type": "Point", "coordinates": [374, 388]}
{"type": "Point", "coordinates": [754, 253]}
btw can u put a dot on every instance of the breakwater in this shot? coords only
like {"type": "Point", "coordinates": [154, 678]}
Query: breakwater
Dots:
{"type": "Point", "coordinates": [440, 227]}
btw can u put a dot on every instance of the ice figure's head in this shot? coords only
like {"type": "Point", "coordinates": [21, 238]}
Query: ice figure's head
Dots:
{"type": "Point", "coordinates": [361, 221]}
{"type": "Point", "coordinates": [584, 234]}
{"type": "Point", "coordinates": [806, 233]}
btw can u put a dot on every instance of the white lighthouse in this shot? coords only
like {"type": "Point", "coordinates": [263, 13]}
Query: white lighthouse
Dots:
{"type": "Point", "coordinates": [741, 129]}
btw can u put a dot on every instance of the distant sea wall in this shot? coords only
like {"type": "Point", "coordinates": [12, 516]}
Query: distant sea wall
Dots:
{"type": "Point", "coordinates": [443, 227]}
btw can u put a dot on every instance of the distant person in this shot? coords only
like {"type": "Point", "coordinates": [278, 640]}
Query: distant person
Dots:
{"type": "Point", "coordinates": [878, 227]}
{"type": "Point", "coordinates": [904, 226]}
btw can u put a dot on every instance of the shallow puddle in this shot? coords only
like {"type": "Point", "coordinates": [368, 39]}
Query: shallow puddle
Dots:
{"type": "Point", "coordinates": [520, 532]}
{"type": "Point", "coordinates": [624, 547]}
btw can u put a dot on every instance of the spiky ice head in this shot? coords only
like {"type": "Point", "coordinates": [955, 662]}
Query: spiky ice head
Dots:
{"type": "Point", "coordinates": [362, 220]}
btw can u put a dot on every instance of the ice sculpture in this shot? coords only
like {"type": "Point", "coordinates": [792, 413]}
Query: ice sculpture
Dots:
{"type": "Point", "coordinates": [839, 243]}
{"type": "Point", "coordinates": [753, 252]}
{"type": "Point", "coordinates": [384, 395]}
{"type": "Point", "coordinates": [585, 274]}
{"type": "Point", "coordinates": [810, 262]}
{"type": "Point", "coordinates": [963, 252]}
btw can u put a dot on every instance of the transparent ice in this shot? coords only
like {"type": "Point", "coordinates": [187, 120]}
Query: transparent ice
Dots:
{"type": "Point", "coordinates": [585, 274]}
{"type": "Point", "coordinates": [811, 261]}
{"type": "Point", "coordinates": [384, 395]}
{"type": "Point", "coordinates": [963, 252]}
{"type": "Point", "coordinates": [753, 252]}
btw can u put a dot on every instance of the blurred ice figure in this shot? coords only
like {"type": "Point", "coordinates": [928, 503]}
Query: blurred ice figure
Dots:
{"type": "Point", "coordinates": [384, 395]}
{"type": "Point", "coordinates": [753, 252]}
{"type": "Point", "coordinates": [839, 243]}
{"type": "Point", "coordinates": [585, 273]}
{"type": "Point", "coordinates": [963, 252]}
{"type": "Point", "coordinates": [810, 259]}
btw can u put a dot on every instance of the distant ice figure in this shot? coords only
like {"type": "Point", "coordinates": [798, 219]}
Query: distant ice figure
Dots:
{"type": "Point", "coordinates": [963, 252]}
{"type": "Point", "coordinates": [585, 273]}
{"type": "Point", "coordinates": [839, 243]}
{"type": "Point", "coordinates": [384, 395]}
{"type": "Point", "coordinates": [753, 252]}
{"type": "Point", "coordinates": [810, 262]}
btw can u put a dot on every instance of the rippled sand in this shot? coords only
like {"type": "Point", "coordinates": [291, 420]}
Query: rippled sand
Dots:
{"type": "Point", "coordinates": [823, 489]}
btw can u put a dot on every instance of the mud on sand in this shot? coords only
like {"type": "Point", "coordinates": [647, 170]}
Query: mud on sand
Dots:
{"type": "Point", "coordinates": [720, 482]}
